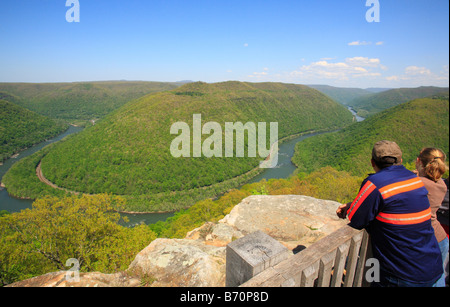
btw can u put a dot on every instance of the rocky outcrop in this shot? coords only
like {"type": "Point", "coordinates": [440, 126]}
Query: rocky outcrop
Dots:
{"type": "Point", "coordinates": [198, 260]}
{"type": "Point", "coordinates": [172, 263]}
{"type": "Point", "coordinates": [291, 219]}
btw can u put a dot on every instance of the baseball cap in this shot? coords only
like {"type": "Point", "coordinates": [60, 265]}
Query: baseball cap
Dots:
{"type": "Point", "coordinates": [387, 152]}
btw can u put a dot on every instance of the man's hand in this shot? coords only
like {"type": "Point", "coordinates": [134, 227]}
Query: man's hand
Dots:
{"type": "Point", "coordinates": [342, 210]}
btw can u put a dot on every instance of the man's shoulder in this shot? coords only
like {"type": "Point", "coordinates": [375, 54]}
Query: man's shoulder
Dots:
{"type": "Point", "coordinates": [390, 175]}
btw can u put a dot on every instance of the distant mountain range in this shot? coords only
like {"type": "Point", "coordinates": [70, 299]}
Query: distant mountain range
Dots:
{"type": "Point", "coordinates": [378, 89]}
{"type": "Point", "coordinates": [371, 104]}
{"type": "Point", "coordinates": [367, 102]}
{"type": "Point", "coordinates": [80, 102]}
{"type": "Point", "coordinates": [342, 95]}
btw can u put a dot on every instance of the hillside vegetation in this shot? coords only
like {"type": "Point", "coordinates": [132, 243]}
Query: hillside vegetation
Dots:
{"type": "Point", "coordinates": [369, 105]}
{"type": "Point", "coordinates": [413, 125]}
{"type": "Point", "coordinates": [21, 128]}
{"type": "Point", "coordinates": [41, 240]}
{"type": "Point", "coordinates": [80, 102]}
{"type": "Point", "coordinates": [128, 152]}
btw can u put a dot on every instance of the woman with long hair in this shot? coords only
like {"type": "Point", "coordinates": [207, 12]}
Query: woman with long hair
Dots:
{"type": "Point", "coordinates": [430, 165]}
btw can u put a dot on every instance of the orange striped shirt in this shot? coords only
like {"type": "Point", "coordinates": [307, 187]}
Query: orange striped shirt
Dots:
{"type": "Point", "coordinates": [401, 187]}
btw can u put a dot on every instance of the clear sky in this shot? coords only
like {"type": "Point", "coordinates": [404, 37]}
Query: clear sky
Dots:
{"type": "Point", "coordinates": [299, 41]}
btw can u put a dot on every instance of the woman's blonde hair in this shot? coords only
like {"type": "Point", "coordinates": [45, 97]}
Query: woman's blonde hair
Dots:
{"type": "Point", "coordinates": [433, 162]}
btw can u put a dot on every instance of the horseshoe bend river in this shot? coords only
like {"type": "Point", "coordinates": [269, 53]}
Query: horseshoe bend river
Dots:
{"type": "Point", "coordinates": [284, 169]}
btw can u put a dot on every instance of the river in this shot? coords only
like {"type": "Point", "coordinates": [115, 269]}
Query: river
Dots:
{"type": "Point", "coordinates": [284, 169]}
{"type": "Point", "coordinates": [12, 204]}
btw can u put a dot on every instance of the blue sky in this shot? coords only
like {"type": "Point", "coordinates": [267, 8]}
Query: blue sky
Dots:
{"type": "Point", "coordinates": [303, 41]}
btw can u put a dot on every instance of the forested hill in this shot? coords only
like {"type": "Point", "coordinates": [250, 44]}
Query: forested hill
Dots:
{"type": "Point", "coordinates": [21, 128]}
{"type": "Point", "coordinates": [128, 152]}
{"type": "Point", "coordinates": [413, 125]}
{"type": "Point", "coordinates": [80, 102]}
{"type": "Point", "coordinates": [371, 104]}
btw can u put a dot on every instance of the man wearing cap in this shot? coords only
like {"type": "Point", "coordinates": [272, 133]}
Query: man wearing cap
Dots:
{"type": "Point", "coordinates": [392, 205]}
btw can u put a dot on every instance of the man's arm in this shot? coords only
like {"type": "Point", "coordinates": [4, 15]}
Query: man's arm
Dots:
{"type": "Point", "coordinates": [364, 208]}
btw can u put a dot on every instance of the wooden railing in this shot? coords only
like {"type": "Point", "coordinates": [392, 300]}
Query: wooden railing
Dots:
{"type": "Point", "coordinates": [336, 260]}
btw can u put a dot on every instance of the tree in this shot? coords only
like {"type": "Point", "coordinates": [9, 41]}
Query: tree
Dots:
{"type": "Point", "coordinates": [40, 240]}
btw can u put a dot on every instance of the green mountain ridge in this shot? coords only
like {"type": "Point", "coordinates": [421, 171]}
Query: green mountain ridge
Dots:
{"type": "Point", "coordinates": [128, 152]}
{"type": "Point", "coordinates": [80, 102]}
{"type": "Point", "coordinates": [371, 104]}
{"type": "Point", "coordinates": [21, 128]}
{"type": "Point", "coordinates": [413, 125]}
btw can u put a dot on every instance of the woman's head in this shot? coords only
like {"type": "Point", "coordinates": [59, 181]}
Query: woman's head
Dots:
{"type": "Point", "coordinates": [431, 163]}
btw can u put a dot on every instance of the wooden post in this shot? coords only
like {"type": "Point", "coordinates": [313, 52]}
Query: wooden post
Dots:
{"type": "Point", "coordinates": [340, 254]}
{"type": "Point", "coordinates": [251, 255]}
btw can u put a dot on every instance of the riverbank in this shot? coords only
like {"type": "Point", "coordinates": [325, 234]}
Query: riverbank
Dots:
{"type": "Point", "coordinates": [7, 201]}
{"type": "Point", "coordinates": [284, 169]}
{"type": "Point", "coordinates": [42, 178]}
{"type": "Point", "coordinates": [212, 191]}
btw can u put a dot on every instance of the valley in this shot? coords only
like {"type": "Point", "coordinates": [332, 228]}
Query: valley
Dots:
{"type": "Point", "coordinates": [127, 153]}
{"type": "Point", "coordinates": [284, 169]}
{"type": "Point", "coordinates": [413, 125]}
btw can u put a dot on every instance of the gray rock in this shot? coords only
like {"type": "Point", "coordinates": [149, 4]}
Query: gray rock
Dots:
{"type": "Point", "coordinates": [181, 263]}
{"type": "Point", "coordinates": [292, 219]}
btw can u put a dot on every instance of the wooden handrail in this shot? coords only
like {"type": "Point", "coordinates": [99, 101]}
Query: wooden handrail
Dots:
{"type": "Point", "coordinates": [336, 260]}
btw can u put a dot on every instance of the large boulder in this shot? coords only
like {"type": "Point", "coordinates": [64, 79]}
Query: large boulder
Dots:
{"type": "Point", "coordinates": [175, 262]}
{"type": "Point", "coordinates": [291, 219]}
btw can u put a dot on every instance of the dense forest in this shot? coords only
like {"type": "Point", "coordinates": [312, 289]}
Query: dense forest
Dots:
{"type": "Point", "coordinates": [79, 103]}
{"type": "Point", "coordinates": [21, 128]}
{"type": "Point", "coordinates": [40, 240]}
{"type": "Point", "coordinates": [128, 152]}
{"type": "Point", "coordinates": [413, 125]}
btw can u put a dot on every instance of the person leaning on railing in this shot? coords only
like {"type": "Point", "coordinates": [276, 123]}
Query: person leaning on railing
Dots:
{"type": "Point", "coordinates": [430, 166]}
{"type": "Point", "coordinates": [392, 205]}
